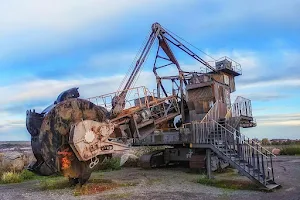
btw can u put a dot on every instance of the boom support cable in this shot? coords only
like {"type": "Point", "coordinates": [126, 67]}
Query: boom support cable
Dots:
{"type": "Point", "coordinates": [190, 44]}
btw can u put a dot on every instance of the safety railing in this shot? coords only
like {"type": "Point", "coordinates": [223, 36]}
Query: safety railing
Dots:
{"type": "Point", "coordinates": [137, 96]}
{"type": "Point", "coordinates": [249, 155]}
{"type": "Point", "coordinates": [253, 158]}
{"type": "Point", "coordinates": [241, 107]}
{"type": "Point", "coordinates": [213, 113]}
{"type": "Point", "coordinates": [234, 66]}
{"type": "Point", "coordinates": [245, 138]}
{"type": "Point", "coordinates": [164, 109]}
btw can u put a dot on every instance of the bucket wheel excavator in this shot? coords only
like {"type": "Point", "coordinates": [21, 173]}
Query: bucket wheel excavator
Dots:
{"type": "Point", "coordinates": [74, 135]}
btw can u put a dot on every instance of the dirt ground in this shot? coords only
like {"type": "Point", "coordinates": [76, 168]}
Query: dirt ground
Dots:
{"type": "Point", "coordinates": [171, 183]}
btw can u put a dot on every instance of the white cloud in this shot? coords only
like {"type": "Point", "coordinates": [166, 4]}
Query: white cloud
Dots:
{"type": "Point", "coordinates": [35, 27]}
{"type": "Point", "coordinates": [249, 60]}
{"type": "Point", "coordinates": [295, 82]}
{"type": "Point", "coordinates": [279, 119]}
{"type": "Point", "coordinates": [11, 122]}
{"type": "Point", "coordinates": [41, 90]}
{"type": "Point", "coordinates": [49, 89]}
{"type": "Point", "coordinates": [63, 16]}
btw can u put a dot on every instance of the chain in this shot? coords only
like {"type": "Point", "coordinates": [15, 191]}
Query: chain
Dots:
{"type": "Point", "coordinates": [94, 162]}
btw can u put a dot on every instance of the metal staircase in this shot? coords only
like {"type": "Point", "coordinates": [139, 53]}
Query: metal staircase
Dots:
{"type": "Point", "coordinates": [223, 137]}
{"type": "Point", "coordinates": [251, 159]}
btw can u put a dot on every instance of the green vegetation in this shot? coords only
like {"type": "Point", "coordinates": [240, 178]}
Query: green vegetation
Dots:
{"type": "Point", "coordinates": [265, 141]}
{"type": "Point", "coordinates": [55, 182]}
{"type": "Point", "coordinates": [16, 177]}
{"type": "Point", "coordinates": [228, 183]}
{"type": "Point", "coordinates": [227, 172]}
{"type": "Point", "coordinates": [290, 150]}
{"type": "Point", "coordinates": [50, 182]}
{"type": "Point", "coordinates": [111, 164]}
{"type": "Point", "coordinates": [27, 175]}
{"type": "Point", "coordinates": [10, 177]}
{"type": "Point", "coordinates": [94, 185]}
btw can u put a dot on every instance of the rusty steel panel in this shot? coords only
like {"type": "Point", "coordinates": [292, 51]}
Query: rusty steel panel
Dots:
{"type": "Point", "coordinates": [197, 162]}
{"type": "Point", "coordinates": [219, 77]}
{"type": "Point", "coordinates": [204, 93]}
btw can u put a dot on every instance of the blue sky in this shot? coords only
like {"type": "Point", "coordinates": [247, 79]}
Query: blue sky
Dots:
{"type": "Point", "coordinates": [49, 46]}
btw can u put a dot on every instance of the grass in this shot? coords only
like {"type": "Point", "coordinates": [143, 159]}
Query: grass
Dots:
{"type": "Point", "coordinates": [290, 150]}
{"type": "Point", "coordinates": [111, 164]}
{"type": "Point", "coordinates": [96, 180]}
{"type": "Point", "coordinates": [228, 184]}
{"type": "Point", "coordinates": [10, 177]}
{"type": "Point", "coordinates": [16, 177]}
{"type": "Point", "coordinates": [27, 175]}
{"type": "Point", "coordinates": [100, 185]}
{"type": "Point", "coordinates": [53, 183]}
{"type": "Point", "coordinates": [227, 172]}
{"type": "Point", "coordinates": [95, 185]}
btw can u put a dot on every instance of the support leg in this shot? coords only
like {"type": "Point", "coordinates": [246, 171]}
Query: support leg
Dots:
{"type": "Point", "coordinates": [208, 163]}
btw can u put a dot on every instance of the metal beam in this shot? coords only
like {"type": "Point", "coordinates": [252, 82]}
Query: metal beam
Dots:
{"type": "Point", "coordinates": [208, 163]}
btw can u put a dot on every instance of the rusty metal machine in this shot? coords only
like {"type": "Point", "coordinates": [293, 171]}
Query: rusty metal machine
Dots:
{"type": "Point", "coordinates": [74, 135]}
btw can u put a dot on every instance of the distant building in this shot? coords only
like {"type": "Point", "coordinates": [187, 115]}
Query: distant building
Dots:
{"type": "Point", "coordinates": [283, 141]}
{"type": "Point", "coordinates": [279, 140]}
{"type": "Point", "coordinates": [256, 140]}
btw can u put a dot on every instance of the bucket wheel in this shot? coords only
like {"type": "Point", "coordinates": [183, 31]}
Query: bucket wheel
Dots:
{"type": "Point", "coordinates": [54, 137]}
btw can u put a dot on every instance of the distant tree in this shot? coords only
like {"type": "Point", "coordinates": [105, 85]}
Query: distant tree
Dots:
{"type": "Point", "coordinates": [288, 142]}
{"type": "Point", "coordinates": [265, 141]}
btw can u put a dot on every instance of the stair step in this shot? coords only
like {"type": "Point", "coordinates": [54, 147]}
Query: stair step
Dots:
{"type": "Point", "coordinates": [225, 145]}
{"type": "Point", "coordinates": [250, 166]}
{"type": "Point", "coordinates": [272, 186]}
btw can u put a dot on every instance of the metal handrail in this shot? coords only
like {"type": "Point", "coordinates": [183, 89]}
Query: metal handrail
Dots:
{"type": "Point", "coordinates": [251, 140]}
{"type": "Point", "coordinates": [234, 65]}
{"type": "Point", "coordinates": [241, 138]}
{"type": "Point", "coordinates": [211, 110]}
{"type": "Point", "coordinates": [240, 97]}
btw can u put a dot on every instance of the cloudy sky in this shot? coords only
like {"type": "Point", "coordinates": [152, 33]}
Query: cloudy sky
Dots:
{"type": "Point", "coordinates": [49, 46]}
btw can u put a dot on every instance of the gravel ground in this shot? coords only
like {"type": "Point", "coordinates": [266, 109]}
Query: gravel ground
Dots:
{"type": "Point", "coordinates": [167, 184]}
